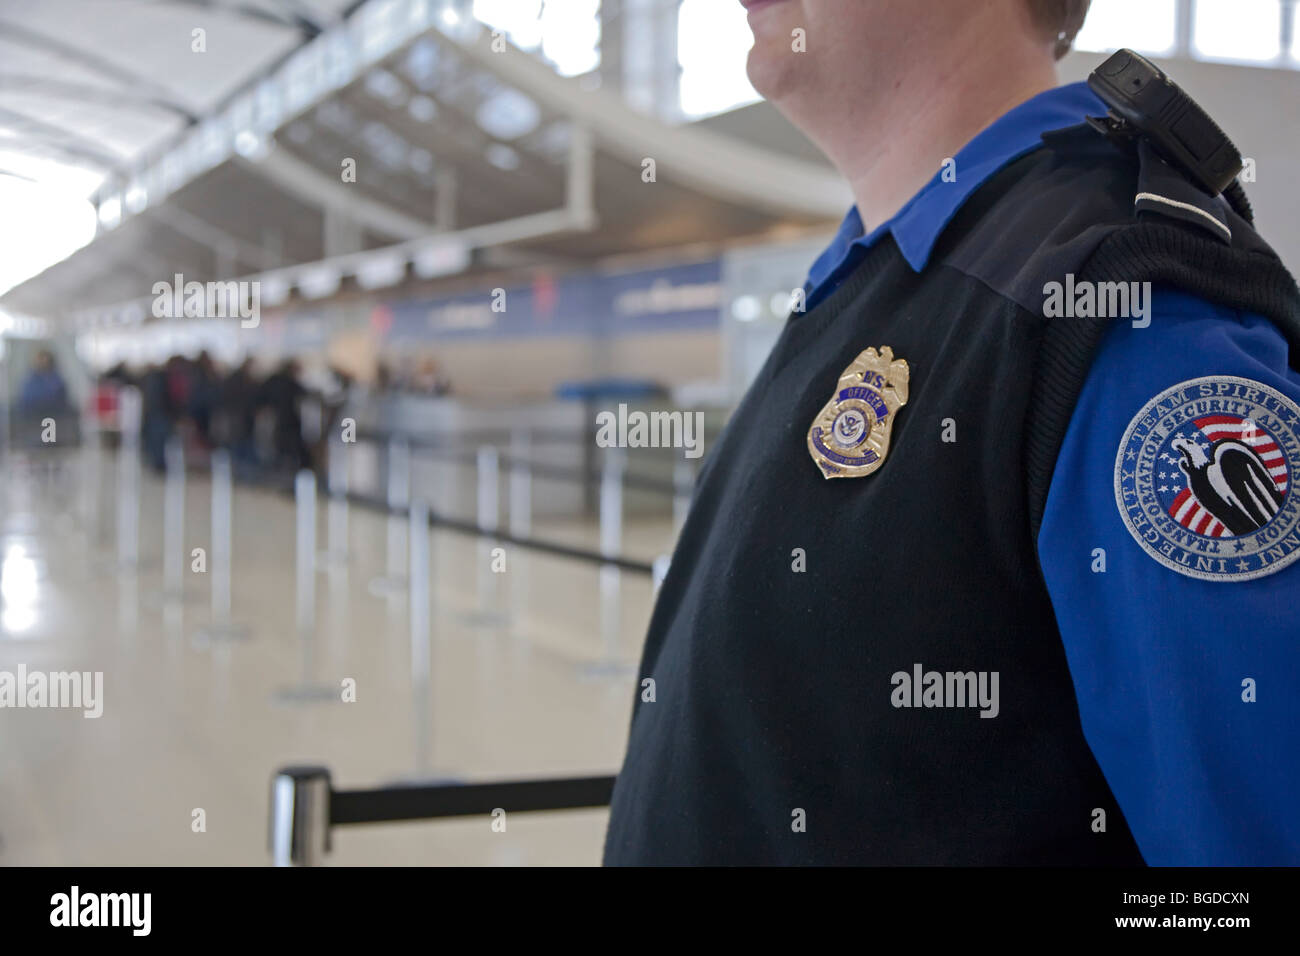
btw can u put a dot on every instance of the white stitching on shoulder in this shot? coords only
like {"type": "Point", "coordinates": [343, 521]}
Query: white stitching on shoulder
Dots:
{"type": "Point", "coordinates": [1182, 205]}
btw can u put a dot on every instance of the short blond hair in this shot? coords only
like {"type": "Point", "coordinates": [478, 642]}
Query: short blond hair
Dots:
{"type": "Point", "coordinates": [1060, 20]}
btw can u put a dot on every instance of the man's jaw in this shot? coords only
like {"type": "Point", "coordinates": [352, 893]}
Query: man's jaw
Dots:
{"type": "Point", "coordinates": [755, 6]}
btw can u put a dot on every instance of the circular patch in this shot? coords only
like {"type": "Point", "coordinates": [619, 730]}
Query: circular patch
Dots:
{"type": "Point", "coordinates": [851, 426]}
{"type": "Point", "coordinates": [1202, 478]}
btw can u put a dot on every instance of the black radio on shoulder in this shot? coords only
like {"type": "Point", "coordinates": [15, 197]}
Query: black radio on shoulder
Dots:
{"type": "Point", "coordinates": [1145, 103]}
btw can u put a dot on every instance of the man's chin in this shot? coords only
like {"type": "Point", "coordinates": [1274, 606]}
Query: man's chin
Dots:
{"type": "Point", "coordinates": [772, 70]}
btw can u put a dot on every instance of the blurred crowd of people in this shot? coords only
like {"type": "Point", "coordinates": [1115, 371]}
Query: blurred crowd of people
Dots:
{"type": "Point", "coordinates": [259, 419]}
{"type": "Point", "coordinates": [269, 419]}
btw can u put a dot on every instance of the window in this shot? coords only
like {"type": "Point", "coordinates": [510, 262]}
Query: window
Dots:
{"type": "Point", "coordinates": [1148, 27]}
{"type": "Point", "coordinates": [571, 35]}
{"type": "Point", "coordinates": [713, 42]}
{"type": "Point", "coordinates": [47, 216]}
{"type": "Point", "coordinates": [1240, 30]}
{"type": "Point", "coordinates": [565, 32]}
{"type": "Point", "coordinates": [519, 20]}
{"type": "Point", "coordinates": [1295, 30]}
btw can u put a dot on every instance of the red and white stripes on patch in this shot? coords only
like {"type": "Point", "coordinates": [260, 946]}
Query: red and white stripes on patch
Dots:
{"type": "Point", "coordinates": [1217, 427]}
{"type": "Point", "coordinates": [1187, 511]}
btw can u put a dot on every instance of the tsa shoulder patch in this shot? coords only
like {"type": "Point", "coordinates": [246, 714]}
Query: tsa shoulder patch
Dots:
{"type": "Point", "coordinates": [1202, 478]}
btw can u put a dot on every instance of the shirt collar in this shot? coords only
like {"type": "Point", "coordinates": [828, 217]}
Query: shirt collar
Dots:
{"type": "Point", "coordinates": [917, 226]}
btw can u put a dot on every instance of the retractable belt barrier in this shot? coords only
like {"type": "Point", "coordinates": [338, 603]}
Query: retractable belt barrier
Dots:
{"type": "Point", "coordinates": [305, 807]}
{"type": "Point", "coordinates": [433, 447]}
{"type": "Point", "coordinates": [375, 503]}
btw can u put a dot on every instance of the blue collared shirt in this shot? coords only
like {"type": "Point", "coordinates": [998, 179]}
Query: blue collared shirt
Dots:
{"type": "Point", "coordinates": [1188, 689]}
{"type": "Point", "coordinates": [917, 226]}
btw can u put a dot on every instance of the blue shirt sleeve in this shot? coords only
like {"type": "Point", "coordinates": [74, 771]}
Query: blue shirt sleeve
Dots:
{"type": "Point", "coordinates": [1188, 687]}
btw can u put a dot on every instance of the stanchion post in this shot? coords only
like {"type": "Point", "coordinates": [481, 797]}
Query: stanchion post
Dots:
{"type": "Point", "coordinates": [419, 614]}
{"type": "Point", "coordinates": [611, 545]}
{"type": "Point", "coordinates": [337, 509]}
{"type": "Point", "coordinates": [399, 474]}
{"type": "Point", "coordinates": [399, 499]}
{"type": "Point", "coordinates": [174, 521]}
{"type": "Point", "coordinates": [418, 533]}
{"type": "Point", "coordinates": [521, 485]}
{"type": "Point", "coordinates": [299, 830]}
{"type": "Point", "coordinates": [223, 625]}
{"type": "Point", "coordinates": [128, 478]}
{"type": "Point", "coordinates": [221, 537]}
{"type": "Point", "coordinates": [521, 519]}
{"type": "Point", "coordinates": [489, 521]}
{"type": "Point", "coordinates": [304, 495]}
{"type": "Point", "coordinates": [489, 510]}
{"type": "Point", "coordinates": [307, 690]}
{"type": "Point", "coordinates": [91, 470]}
{"type": "Point", "coordinates": [611, 502]}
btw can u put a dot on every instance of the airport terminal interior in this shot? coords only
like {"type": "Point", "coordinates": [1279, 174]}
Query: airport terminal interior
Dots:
{"type": "Point", "coordinates": [358, 360]}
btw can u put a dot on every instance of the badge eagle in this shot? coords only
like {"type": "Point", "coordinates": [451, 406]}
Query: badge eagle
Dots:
{"type": "Point", "coordinates": [849, 438]}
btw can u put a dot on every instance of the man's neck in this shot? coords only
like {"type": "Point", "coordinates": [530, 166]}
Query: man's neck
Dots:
{"type": "Point", "coordinates": [888, 147]}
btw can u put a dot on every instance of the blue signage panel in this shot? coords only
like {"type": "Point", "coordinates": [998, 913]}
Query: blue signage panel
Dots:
{"type": "Point", "coordinates": [610, 304]}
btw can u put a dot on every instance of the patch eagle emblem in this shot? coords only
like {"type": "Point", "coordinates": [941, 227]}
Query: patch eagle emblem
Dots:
{"type": "Point", "coordinates": [1203, 475]}
{"type": "Point", "coordinates": [849, 438]}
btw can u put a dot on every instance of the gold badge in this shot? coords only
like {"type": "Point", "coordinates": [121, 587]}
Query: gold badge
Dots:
{"type": "Point", "coordinates": [849, 438]}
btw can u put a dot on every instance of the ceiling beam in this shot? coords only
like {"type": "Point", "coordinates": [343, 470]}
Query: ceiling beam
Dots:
{"type": "Point", "coordinates": [214, 238]}
{"type": "Point", "coordinates": [307, 27]}
{"type": "Point", "coordinates": [83, 92]}
{"type": "Point", "coordinates": [67, 142]}
{"type": "Point", "coordinates": [302, 179]}
{"type": "Point", "coordinates": [716, 165]}
{"type": "Point", "coordinates": [80, 57]}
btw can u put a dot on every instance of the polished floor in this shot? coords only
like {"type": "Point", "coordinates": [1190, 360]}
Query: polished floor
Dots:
{"type": "Point", "coordinates": [531, 674]}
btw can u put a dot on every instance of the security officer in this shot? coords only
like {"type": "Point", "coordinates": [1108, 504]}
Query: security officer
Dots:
{"type": "Point", "coordinates": [997, 562]}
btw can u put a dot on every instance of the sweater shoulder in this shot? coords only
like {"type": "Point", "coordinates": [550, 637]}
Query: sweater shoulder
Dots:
{"type": "Point", "coordinates": [1081, 197]}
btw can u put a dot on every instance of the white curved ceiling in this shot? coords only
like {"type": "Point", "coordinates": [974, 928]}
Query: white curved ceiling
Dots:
{"type": "Point", "coordinates": [99, 85]}
{"type": "Point", "coordinates": [208, 177]}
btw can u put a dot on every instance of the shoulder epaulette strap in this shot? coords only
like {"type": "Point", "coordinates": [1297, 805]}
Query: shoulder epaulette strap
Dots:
{"type": "Point", "coordinates": [1165, 253]}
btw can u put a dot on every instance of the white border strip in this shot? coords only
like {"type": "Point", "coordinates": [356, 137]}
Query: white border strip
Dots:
{"type": "Point", "coordinates": [1182, 205]}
